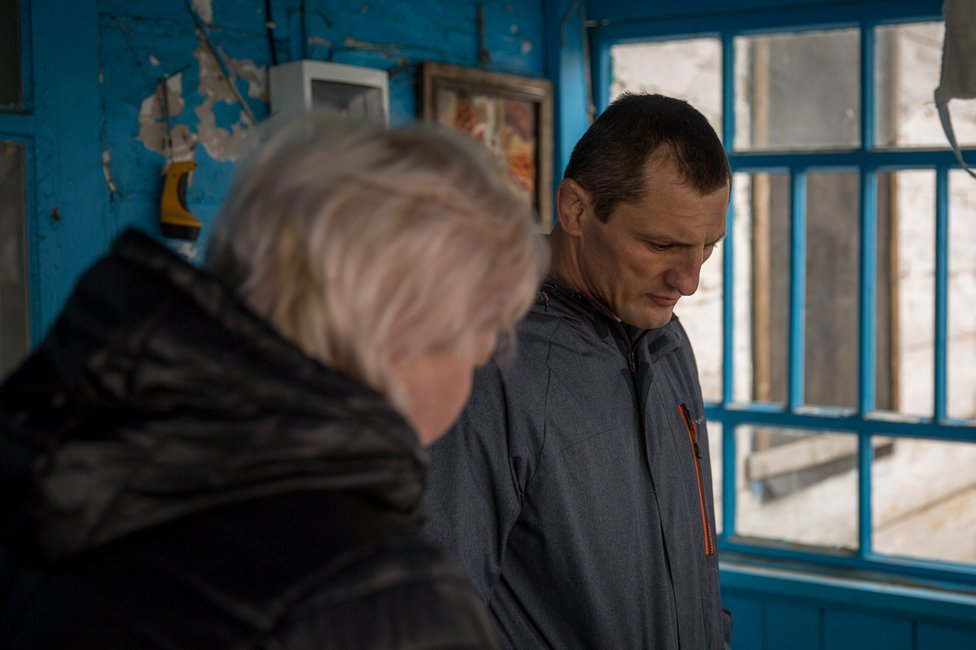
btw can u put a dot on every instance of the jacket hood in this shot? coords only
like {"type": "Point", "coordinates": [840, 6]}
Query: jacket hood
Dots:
{"type": "Point", "coordinates": [158, 393]}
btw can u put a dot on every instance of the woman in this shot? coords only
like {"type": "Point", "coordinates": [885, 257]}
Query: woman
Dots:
{"type": "Point", "coordinates": [233, 457]}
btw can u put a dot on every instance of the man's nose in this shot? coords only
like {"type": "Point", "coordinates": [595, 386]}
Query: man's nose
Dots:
{"type": "Point", "coordinates": [685, 273]}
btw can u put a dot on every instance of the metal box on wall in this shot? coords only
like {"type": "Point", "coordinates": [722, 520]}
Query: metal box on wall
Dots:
{"type": "Point", "coordinates": [348, 89]}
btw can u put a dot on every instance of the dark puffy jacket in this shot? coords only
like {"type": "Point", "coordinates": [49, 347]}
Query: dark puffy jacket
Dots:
{"type": "Point", "coordinates": [176, 475]}
{"type": "Point", "coordinates": [576, 488]}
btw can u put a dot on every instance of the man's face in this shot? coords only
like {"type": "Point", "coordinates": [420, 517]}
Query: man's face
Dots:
{"type": "Point", "coordinates": [648, 254]}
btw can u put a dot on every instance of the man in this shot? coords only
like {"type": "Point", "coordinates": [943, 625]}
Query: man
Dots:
{"type": "Point", "coordinates": [575, 488]}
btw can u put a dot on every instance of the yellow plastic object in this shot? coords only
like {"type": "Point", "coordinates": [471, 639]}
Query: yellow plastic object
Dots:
{"type": "Point", "coordinates": [177, 220]}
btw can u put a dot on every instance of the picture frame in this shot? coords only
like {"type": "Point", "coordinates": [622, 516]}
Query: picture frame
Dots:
{"type": "Point", "coordinates": [511, 114]}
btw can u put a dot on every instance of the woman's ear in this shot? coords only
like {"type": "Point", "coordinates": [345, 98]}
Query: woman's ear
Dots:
{"type": "Point", "coordinates": [571, 202]}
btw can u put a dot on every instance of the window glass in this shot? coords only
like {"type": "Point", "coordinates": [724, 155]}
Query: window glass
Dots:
{"type": "Point", "coordinates": [11, 86]}
{"type": "Point", "coordinates": [13, 258]}
{"type": "Point", "coordinates": [906, 301]}
{"type": "Point", "coordinates": [832, 290]}
{"type": "Point", "coordinates": [797, 486]}
{"type": "Point", "coordinates": [886, 282]}
{"type": "Point", "coordinates": [741, 236]}
{"type": "Point", "coordinates": [715, 449]}
{"type": "Point", "coordinates": [701, 316]}
{"type": "Point", "coordinates": [924, 499]}
{"type": "Point", "coordinates": [690, 69]}
{"type": "Point", "coordinates": [908, 64]}
{"type": "Point", "coordinates": [961, 335]}
{"type": "Point", "coordinates": [800, 90]}
{"type": "Point", "coordinates": [762, 286]}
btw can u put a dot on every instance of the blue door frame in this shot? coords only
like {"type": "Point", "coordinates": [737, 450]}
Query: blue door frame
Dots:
{"type": "Point", "coordinates": [59, 124]}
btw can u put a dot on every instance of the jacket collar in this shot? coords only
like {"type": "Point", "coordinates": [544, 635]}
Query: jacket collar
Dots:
{"type": "Point", "coordinates": [658, 341]}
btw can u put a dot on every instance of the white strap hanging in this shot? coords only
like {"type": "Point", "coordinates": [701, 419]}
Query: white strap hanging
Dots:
{"type": "Point", "coordinates": [958, 65]}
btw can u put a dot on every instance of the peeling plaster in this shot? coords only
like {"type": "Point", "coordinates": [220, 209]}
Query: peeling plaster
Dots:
{"type": "Point", "coordinates": [204, 9]}
{"type": "Point", "coordinates": [107, 171]}
{"type": "Point", "coordinates": [318, 40]}
{"type": "Point", "coordinates": [526, 45]}
{"type": "Point", "coordinates": [220, 143]}
{"type": "Point", "coordinates": [152, 122]}
{"type": "Point", "coordinates": [224, 143]}
{"type": "Point", "coordinates": [153, 60]}
{"type": "Point", "coordinates": [255, 75]}
{"type": "Point", "coordinates": [365, 45]}
{"type": "Point", "coordinates": [188, 251]}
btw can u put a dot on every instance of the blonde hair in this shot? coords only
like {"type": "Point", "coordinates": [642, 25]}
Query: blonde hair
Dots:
{"type": "Point", "coordinates": [368, 246]}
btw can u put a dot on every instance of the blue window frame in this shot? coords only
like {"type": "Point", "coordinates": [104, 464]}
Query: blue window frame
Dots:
{"type": "Point", "coordinates": [870, 162]}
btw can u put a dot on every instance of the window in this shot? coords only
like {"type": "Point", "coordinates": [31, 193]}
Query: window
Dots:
{"type": "Point", "coordinates": [14, 325]}
{"type": "Point", "coordinates": [836, 328]}
{"type": "Point", "coordinates": [13, 260]}
{"type": "Point", "coordinates": [11, 86]}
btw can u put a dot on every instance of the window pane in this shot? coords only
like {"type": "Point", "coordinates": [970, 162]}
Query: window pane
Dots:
{"type": "Point", "coordinates": [715, 451]}
{"type": "Point", "coordinates": [832, 290]}
{"type": "Point", "coordinates": [885, 275]}
{"type": "Point", "coordinates": [13, 258]}
{"type": "Point", "coordinates": [701, 316]}
{"type": "Point", "coordinates": [906, 300]}
{"type": "Point", "coordinates": [909, 66]}
{"type": "Point", "coordinates": [961, 339]}
{"type": "Point", "coordinates": [924, 500]}
{"type": "Point", "coordinates": [797, 486]}
{"type": "Point", "coordinates": [689, 69]}
{"type": "Point", "coordinates": [802, 90]}
{"type": "Point", "coordinates": [762, 261]}
{"type": "Point", "coordinates": [10, 82]}
{"type": "Point", "coordinates": [741, 235]}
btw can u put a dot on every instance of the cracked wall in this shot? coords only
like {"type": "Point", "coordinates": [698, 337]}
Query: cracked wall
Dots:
{"type": "Point", "coordinates": [155, 59]}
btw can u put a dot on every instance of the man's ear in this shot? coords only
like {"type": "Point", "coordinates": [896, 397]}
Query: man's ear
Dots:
{"type": "Point", "coordinates": [571, 202]}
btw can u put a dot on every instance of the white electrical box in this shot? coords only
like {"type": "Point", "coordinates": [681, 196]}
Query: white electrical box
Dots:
{"type": "Point", "coordinates": [353, 90]}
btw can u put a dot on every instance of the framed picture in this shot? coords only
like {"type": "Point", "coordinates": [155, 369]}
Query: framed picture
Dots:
{"type": "Point", "coordinates": [510, 114]}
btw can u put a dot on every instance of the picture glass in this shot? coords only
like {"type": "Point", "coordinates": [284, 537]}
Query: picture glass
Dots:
{"type": "Point", "coordinates": [506, 126]}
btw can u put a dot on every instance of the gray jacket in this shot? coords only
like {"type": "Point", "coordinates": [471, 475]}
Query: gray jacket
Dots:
{"type": "Point", "coordinates": [576, 487]}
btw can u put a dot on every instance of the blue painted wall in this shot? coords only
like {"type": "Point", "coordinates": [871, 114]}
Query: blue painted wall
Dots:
{"type": "Point", "coordinates": [98, 70]}
{"type": "Point", "coordinates": [568, 64]}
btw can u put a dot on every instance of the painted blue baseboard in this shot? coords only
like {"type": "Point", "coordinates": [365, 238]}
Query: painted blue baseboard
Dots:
{"type": "Point", "coordinates": [776, 609]}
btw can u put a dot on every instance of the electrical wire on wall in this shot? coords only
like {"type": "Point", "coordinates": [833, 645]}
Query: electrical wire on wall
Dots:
{"type": "Point", "coordinates": [484, 57]}
{"type": "Point", "coordinates": [270, 26]}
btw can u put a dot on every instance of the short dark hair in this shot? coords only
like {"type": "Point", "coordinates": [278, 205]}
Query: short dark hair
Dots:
{"type": "Point", "coordinates": [609, 160]}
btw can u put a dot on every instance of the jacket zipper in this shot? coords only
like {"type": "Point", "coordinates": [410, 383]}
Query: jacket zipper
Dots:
{"type": "Point", "coordinates": [693, 436]}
